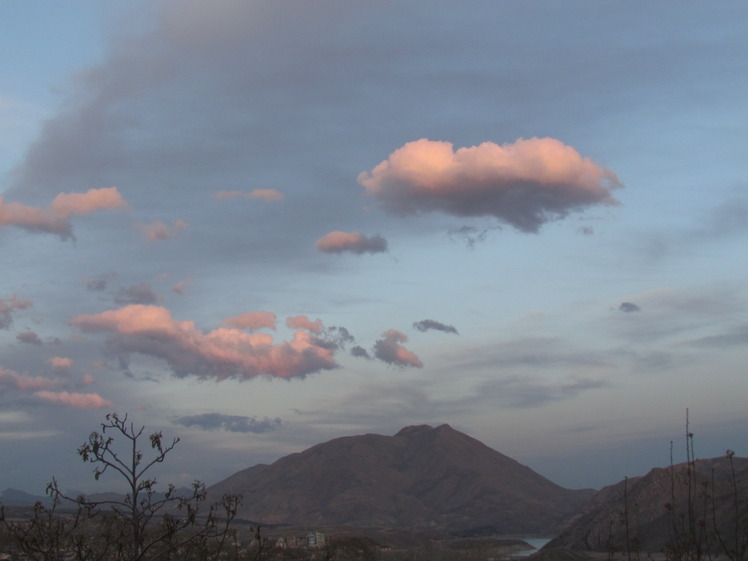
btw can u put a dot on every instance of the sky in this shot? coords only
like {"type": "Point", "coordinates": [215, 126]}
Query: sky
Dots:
{"type": "Point", "coordinates": [261, 225]}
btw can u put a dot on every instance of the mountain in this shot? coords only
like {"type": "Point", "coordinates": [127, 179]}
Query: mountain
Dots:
{"type": "Point", "coordinates": [422, 478]}
{"type": "Point", "coordinates": [655, 512]}
{"type": "Point", "coordinates": [14, 497]}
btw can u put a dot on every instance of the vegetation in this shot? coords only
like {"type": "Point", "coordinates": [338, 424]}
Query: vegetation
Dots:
{"type": "Point", "coordinates": [143, 526]}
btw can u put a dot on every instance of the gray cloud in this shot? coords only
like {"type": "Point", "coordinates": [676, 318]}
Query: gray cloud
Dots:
{"type": "Point", "coordinates": [8, 306]}
{"type": "Point", "coordinates": [629, 307]}
{"type": "Point", "coordinates": [229, 423]}
{"type": "Point", "coordinates": [29, 337]}
{"type": "Point", "coordinates": [737, 336]}
{"type": "Point", "coordinates": [522, 392]}
{"type": "Point", "coordinates": [137, 294]}
{"type": "Point", "coordinates": [97, 285]}
{"type": "Point", "coordinates": [360, 352]}
{"type": "Point", "coordinates": [427, 324]}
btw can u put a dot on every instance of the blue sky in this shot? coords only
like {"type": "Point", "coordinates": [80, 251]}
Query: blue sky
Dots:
{"type": "Point", "coordinates": [262, 225]}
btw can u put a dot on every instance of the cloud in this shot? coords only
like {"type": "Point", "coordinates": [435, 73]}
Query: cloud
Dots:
{"type": "Point", "coordinates": [56, 218]}
{"type": "Point", "coordinates": [252, 321]}
{"type": "Point", "coordinates": [267, 195]}
{"type": "Point", "coordinates": [354, 242]}
{"type": "Point", "coordinates": [181, 287]}
{"type": "Point", "coordinates": [427, 324]}
{"type": "Point", "coordinates": [60, 363]}
{"type": "Point", "coordinates": [97, 285]}
{"type": "Point", "coordinates": [629, 307]}
{"type": "Point", "coordinates": [360, 352]}
{"type": "Point", "coordinates": [158, 231]}
{"type": "Point", "coordinates": [221, 353]}
{"type": "Point", "coordinates": [25, 382]}
{"type": "Point", "coordinates": [526, 183]}
{"type": "Point", "coordinates": [136, 294]}
{"type": "Point", "coordinates": [736, 336]}
{"type": "Point", "coordinates": [28, 337]}
{"type": "Point", "coordinates": [8, 306]}
{"type": "Point", "coordinates": [521, 392]}
{"type": "Point", "coordinates": [229, 423]}
{"type": "Point", "coordinates": [303, 322]}
{"type": "Point", "coordinates": [77, 400]}
{"type": "Point", "coordinates": [389, 349]}
{"type": "Point", "coordinates": [470, 235]}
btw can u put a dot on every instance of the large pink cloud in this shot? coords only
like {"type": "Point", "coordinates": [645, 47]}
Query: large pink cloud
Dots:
{"type": "Point", "coordinates": [390, 350]}
{"type": "Point", "coordinates": [354, 242]}
{"type": "Point", "coordinates": [221, 353]}
{"type": "Point", "coordinates": [525, 183]}
{"type": "Point", "coordinates": [73, 399]}
{"type": "Point", "coordinates": [55, 219]}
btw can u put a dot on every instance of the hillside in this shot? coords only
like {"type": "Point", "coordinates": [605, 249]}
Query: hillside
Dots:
{"type": "Point", "coordinates": [422, 478]}
{"type": "Point", "coordinates": [654, 509]}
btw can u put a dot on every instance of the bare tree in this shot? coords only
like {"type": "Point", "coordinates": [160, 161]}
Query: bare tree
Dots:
{"type": "Point", "coordinates": [144, 525]}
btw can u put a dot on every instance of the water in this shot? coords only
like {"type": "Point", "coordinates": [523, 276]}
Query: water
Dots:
{"type": "Point", "coordinates": [537, 543]}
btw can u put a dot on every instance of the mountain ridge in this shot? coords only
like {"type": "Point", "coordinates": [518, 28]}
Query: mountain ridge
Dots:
{"type": "Point", "coordinates": [422, 478]}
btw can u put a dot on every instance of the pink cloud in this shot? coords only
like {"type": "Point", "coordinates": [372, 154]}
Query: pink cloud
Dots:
{"type": "Point", "coordinates": [24, 382]}
{"type": "Point", "coordinates": [60, 363]}
{"type": "Point", "coordinates": [267, 195]}
{"type": "Point", "coordinates": [77, 400]}
{"type": "Point", "coordinates": [355, 242]}
{"type": "Point", "coordinates": [158, 231]}
{"type": "Point", "coordinates": [389, 349]}
{"type": "Point", "coordinates": [56, 218]}
{"type": "Point", "coordinates": [221, 353]}
{"type": "Point", "coordinates": [303, 322]}
{"type": "Point", "coordinates": [252, 321]}
{"type": "Point", "coordinates": [525, 183]}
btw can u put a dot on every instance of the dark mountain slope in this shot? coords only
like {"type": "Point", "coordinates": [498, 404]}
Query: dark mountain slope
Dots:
{"type": "Point", "coordinates": [421, 478]}
{"type": "Point", "coordinates": [655, 511]}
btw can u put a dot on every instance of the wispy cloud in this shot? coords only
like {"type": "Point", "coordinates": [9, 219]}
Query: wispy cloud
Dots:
{"type": "Point", "coordinates": [428, 324]}
{"type": "Point", "coordinates": [229, 423]}
{"type": "Point", "coordinates": [267, 195]}
{"type": "Point", "coordinates": [137, 294]}
{"type": "Point", "coordinates": [525, 184]}
{"type": "Point", "coordinates": [76, 400]}
{"type": "Point", "coordinates": [158, 231]}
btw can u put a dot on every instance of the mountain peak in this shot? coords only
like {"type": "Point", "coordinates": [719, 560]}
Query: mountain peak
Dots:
{"type": "Point", "coordinates": [414, 429]}
{"type": "Point", "coordinates": [423, 477]}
